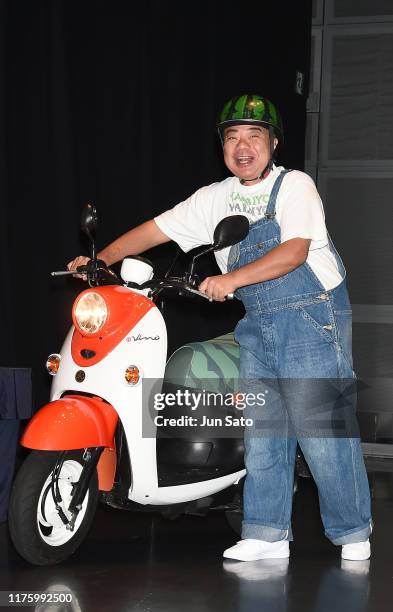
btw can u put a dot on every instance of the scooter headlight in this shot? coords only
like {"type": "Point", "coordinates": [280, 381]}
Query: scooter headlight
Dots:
{"type": "Point", "coordinates": [91, 312]}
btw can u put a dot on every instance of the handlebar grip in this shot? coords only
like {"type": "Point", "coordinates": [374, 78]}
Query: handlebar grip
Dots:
{"type": "Point", "coordinates": [63, 273]}
{"type": "Point", "coordinates": [79, 270]}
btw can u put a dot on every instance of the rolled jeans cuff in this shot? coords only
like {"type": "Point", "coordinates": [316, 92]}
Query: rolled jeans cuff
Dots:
{"type": "Point", "coordinates": [266, 533]}
{"type": "Point", "coordinates": [352, 537]}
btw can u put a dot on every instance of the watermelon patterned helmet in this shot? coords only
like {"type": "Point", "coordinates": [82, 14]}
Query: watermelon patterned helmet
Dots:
{"type": "Point", "coordinates": [251, 109]}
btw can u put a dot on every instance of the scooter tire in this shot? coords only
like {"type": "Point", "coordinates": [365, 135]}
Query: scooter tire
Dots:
{"type": "Point", "coordinates": [24, 507]}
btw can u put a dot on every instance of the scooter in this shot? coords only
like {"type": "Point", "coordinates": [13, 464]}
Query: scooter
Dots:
{"type": "Point", "coordinates": [101, 436]}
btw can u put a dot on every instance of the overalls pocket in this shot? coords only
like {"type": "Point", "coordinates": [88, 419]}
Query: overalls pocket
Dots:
{"type": "Point", "coordinates": [320, 320]}
{"type": "Point", "coordinates": [334, 327]}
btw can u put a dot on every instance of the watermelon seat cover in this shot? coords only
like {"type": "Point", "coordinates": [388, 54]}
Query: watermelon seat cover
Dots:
{"type": "Point", "coordinates": [212, 365]}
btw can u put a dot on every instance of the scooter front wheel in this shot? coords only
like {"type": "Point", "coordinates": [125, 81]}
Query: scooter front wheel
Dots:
{"type": "Point", "coordinates": [42, 528]}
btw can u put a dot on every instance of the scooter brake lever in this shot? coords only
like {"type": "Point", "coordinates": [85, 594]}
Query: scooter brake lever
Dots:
{"type": "Point", "coordinates": [200, 293]}
{"type": "Point", "coordinates": [63, 273]}
{"type": "Point", "coordinates": [230, 296]}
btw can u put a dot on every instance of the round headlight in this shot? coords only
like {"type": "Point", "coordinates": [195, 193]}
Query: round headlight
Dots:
{"type": "Point", "coordinates": [91, 313]}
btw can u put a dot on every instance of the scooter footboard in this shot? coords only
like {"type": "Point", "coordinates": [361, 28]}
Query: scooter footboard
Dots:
{"type": "Point", "coordinates": [70, 423]}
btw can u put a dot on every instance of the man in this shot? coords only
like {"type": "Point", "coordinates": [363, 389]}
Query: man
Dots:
{"type": "Point", "coordinates": [297, 328]}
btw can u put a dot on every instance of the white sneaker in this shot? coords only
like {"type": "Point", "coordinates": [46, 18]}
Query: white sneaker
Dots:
{"type": "Point", "coordinates": [359, 551]}
{"type": "Point", "coordinates": [253, 550]}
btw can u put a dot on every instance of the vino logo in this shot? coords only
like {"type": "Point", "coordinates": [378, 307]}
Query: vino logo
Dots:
{"type": "Point", "coordinates": [139, 337]}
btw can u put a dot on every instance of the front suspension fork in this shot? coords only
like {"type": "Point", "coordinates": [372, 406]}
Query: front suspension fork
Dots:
{"type": "Point", "coordinates": [91, 457]}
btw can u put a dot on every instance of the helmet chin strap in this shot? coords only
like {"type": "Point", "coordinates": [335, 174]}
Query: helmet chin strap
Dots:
{"type": "Point", "coordinates": [261, 176]}
{"type": "Point", "coordinates": [265, 172]}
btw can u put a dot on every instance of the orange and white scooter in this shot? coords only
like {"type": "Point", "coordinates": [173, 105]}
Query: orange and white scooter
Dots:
{"type": "Point", "coordinates": [88, 442]}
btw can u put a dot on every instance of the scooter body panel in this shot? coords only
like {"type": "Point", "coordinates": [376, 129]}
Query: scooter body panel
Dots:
{"type": "Point", "coordinates": [192, 491]}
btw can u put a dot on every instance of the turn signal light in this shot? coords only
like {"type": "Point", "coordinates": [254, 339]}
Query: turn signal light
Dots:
{"type": "Point", "coordinates": [53, 364]}
{"type": "Point", "coordinates": [132, 375]}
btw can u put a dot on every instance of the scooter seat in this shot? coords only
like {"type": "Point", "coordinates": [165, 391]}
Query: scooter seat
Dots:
{"type": "Point", "coordinates": [193, 454]}
{"type": "Point", "coordinates": [212, 365]}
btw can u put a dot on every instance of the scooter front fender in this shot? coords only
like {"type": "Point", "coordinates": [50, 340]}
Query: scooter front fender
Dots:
{"type": "Point", "coordinates": [70, 423]}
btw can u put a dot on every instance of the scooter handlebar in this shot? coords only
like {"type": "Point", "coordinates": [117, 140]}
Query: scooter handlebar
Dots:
{"type": "Point", "coordinates": [153, 284]}
{"type": "Point", "coordinates": [100, 273]}
{"type": "Point", "coordinates": [79, 270]}
{"type": "Point", "coordinates": [179, 285]}
{"type": "Point", "coordinates": [63, 273]}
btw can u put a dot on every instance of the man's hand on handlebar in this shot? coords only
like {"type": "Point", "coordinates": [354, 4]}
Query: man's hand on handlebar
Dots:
{"type": "Point", "coordinates": [218, 287]}
{"type": "Point", "coordinates": [75, 263]}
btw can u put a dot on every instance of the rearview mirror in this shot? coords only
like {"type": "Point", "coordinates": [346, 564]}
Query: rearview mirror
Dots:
{"type": "Point", "coordinates": [229, 231]}
{"type": "Point", "coordinates": [89, 221]}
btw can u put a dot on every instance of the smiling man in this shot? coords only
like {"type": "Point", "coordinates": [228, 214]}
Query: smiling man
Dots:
{"type": "Point", "coordinates": [246, 147]}
{"type": "Point", "coordinates": [297, 328]}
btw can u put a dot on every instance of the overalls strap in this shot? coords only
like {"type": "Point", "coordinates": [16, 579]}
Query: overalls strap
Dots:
{"type": "Point", "coordinates": [271, 207]}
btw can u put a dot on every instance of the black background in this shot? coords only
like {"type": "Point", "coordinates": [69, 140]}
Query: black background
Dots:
{"type": "Point", "coordinates": [116, 103]}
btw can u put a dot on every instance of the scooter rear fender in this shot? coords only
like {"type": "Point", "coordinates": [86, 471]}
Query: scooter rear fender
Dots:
{"type": "Point", "coordinates": [70, 423]}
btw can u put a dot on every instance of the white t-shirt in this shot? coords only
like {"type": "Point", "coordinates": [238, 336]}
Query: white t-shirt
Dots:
{"type": "Point", "coordinates": [299, 213]}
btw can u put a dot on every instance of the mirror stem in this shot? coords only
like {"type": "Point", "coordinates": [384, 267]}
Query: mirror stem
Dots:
{"type": "Point", "coordinates": [191, 269]}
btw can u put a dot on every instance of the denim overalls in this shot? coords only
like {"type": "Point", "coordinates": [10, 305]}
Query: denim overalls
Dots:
{"type": "Point", "coordinates": [297, 335]}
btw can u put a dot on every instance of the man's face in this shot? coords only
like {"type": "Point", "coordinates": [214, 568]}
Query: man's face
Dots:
{"type": "Point", "coordinates": [246, 150]}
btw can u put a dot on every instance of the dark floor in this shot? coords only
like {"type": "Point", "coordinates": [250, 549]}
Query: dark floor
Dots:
{"type": "Point", "coordinates": [144, 563]}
